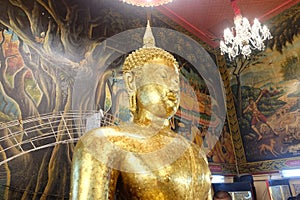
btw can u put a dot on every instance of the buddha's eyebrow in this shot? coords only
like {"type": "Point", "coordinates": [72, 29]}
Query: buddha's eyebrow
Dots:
{"type": "Point", "coordinates": [160, 70]}
{"type": "Point", "coordinates": [157, 69]}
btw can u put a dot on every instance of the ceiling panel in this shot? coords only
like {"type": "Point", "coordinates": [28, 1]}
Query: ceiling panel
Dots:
{"type": "Point", "coordinates": [208, 18]}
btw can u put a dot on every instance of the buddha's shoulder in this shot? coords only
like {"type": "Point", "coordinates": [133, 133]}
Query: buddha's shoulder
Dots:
{"type": "Point", "coordinates": [130, 137]}
{"type": "Point", "coordinates": [106, 133]}
{"type": "Point", "coordinates": [103, 131]}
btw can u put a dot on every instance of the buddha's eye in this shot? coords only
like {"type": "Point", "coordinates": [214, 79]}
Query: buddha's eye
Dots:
{"type": "Point", "coordinates": [163, 74]}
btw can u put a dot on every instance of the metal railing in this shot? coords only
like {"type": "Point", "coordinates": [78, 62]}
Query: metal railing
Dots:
{"type": "Point", "coordinates": [47, 130]}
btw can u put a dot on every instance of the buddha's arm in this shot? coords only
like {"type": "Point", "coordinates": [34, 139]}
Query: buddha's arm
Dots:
{"type": "Point", "coordinates": [90, 178]}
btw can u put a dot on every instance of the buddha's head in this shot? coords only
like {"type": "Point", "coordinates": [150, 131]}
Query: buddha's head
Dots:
{"type": "Point", "coordinates": [151, 76]}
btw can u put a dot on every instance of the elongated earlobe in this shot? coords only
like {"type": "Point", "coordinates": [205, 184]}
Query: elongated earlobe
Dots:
{"type": "Point", "coordinates": [129, 80]}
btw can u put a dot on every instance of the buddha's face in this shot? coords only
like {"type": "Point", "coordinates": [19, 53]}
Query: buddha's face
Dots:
{"type": "Point", "coordinates": [157, 89]}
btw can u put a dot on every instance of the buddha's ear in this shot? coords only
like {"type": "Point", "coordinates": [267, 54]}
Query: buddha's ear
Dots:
{"type": "Point", "coordinates": [129, 80]}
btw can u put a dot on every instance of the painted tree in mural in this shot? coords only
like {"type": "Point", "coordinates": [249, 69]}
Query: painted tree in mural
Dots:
{"type": "Point", "coordinates": [239, 65]}
{"type": "Point", "coordinates": [59, 52]}
{"type": "Point", "coordinates": [284, 28]}
{"type": "Point", "coordinates": [290, 68]}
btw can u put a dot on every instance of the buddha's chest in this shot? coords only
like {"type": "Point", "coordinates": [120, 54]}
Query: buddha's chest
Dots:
{"type": "Point", "coordinates": [187, 177]}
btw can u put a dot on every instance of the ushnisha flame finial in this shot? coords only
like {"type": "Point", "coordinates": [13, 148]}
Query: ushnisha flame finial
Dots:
{"type": "Point", "coordinates": [149, 40]}
{"type": "Point", "coordinates": [148, 53]}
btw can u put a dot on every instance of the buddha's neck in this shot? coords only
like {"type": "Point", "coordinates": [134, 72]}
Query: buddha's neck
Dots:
{"type": "Point", "coordinates": [147, 119]}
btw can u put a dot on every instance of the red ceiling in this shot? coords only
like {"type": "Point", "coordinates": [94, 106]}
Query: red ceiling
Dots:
{"type": "Point", "coordinates": [208, 18]}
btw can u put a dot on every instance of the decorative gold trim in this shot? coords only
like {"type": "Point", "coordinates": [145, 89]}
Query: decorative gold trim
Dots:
{"type": "Point", "coordinates": [231, 112]}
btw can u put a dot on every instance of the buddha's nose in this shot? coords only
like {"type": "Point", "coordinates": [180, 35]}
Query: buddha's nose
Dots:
{"type": "Point", "coordinates": [174, 85]}
{"type": "Point", "coordinates": [174, 91]}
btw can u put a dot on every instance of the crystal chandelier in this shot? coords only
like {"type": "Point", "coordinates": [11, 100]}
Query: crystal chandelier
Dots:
{"type": "Point", "coordinates": [147, 3]}
{"type": "Point", "coordinates": [243, 39]}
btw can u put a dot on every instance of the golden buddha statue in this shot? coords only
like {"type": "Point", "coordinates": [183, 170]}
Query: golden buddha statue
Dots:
{"type": "Point", "coordinates": [143, 159]}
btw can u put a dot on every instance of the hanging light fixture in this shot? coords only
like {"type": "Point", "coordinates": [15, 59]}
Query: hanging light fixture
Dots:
{"type": "Point", "coordinates": [147, 3]}
{"type": "Point", "coordinates": [243, 39]}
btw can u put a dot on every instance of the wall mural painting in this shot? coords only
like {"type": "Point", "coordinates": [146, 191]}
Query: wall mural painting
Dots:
{"type": "Point", "coordinates": [270, 111]}
{"type": "Point", "coordinates": [50, 67]}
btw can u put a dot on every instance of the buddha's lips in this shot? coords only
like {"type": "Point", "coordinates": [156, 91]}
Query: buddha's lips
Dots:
{"type": "Point", "coordinates": [172, 96]}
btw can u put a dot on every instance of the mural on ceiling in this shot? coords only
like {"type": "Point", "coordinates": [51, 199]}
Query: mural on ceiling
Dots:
{"type": "Point", "coordinates": [269, 105]}
{"type": "Point", "coordinates": [54, 74]}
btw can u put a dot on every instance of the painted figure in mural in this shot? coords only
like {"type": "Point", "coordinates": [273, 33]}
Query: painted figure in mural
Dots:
{"type": "Point", "coordinates": [257, 116]}
{"type": "Point", "coordinates": [143, 159]}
